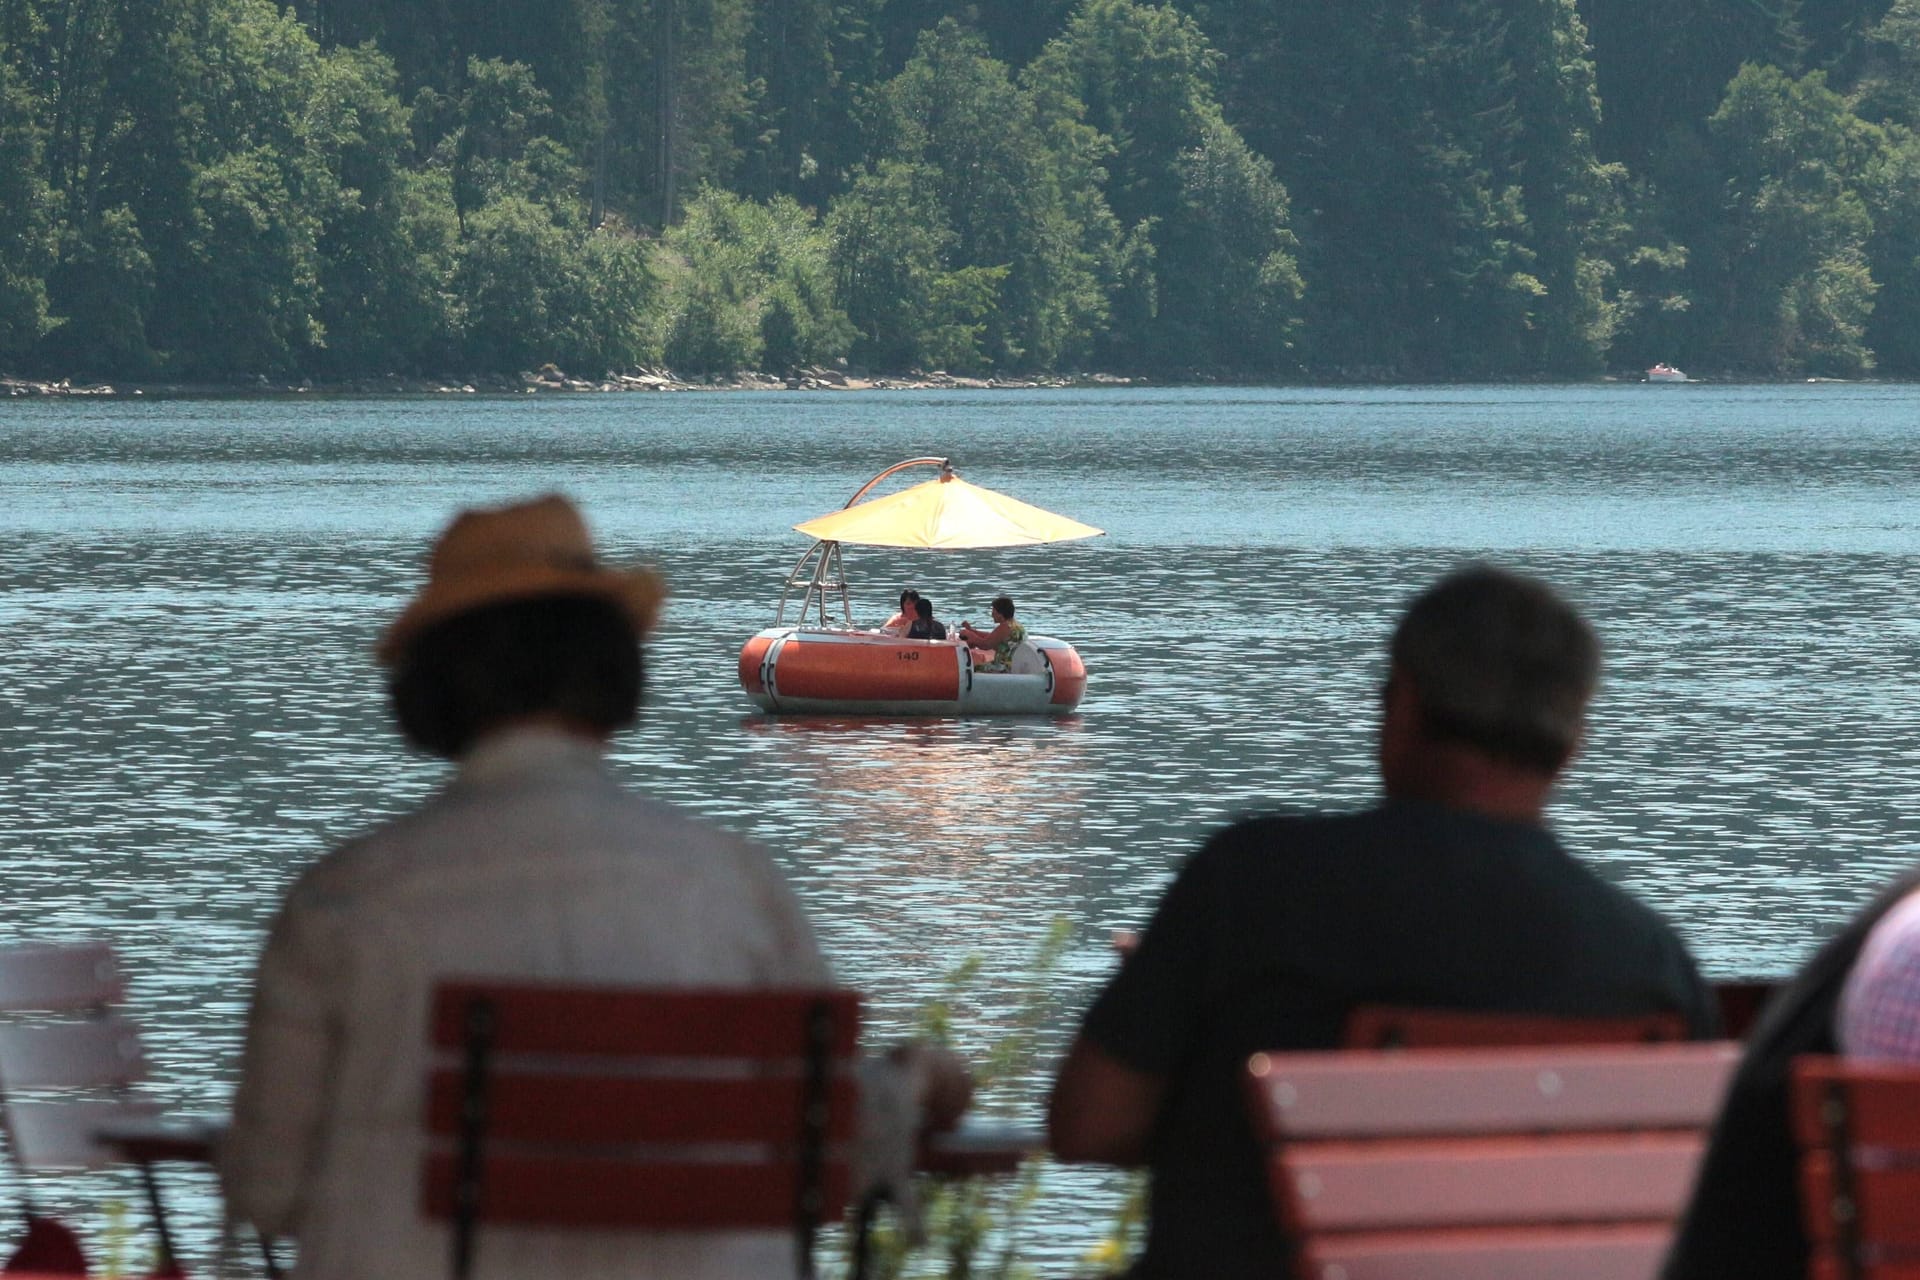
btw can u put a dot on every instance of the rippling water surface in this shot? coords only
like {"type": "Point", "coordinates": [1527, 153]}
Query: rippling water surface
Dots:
{"type": "Point", "coordinates": [189, 591]}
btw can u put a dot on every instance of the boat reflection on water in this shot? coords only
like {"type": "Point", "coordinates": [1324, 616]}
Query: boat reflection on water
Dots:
{"type": "Point", "coordinates": [927, 838]}
{"type": "Point", "coordinates": [951, 790]}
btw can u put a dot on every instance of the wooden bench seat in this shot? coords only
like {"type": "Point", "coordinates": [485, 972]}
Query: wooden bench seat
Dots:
{"type": "Point", "coordinates": [1485, 1163]}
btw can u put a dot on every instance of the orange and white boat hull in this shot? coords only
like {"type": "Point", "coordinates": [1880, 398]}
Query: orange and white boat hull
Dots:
{"type": "Point", "coordinates": [799, 670]}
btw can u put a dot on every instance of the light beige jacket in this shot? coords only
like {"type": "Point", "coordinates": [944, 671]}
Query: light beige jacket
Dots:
{"type": "Point", "coordinates": [532, 863]}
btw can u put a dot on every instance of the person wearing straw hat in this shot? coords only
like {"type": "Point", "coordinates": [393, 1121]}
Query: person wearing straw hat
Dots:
{"type": "Point", "coordinates": [517, 660]}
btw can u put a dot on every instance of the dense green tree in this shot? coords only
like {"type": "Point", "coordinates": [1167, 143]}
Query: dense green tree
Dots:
{"type": "Point", "coordinates": [1229, 285]}
{"type": "Point", "coordinates": [610, 315]}
{"type": "Point", "coordinates": [115, 82]}
{"type": "Point", "coordinates": [1783, 283]}
{"type": "Point", "coordinates": [1662, 67]}
{"type": "Point", "coordinates": [1017, 183]}
{"type": "Point", "coordinates": [492, 138]}
{"type": "Point", "coordinates": [238, 285]}
{"type": "Point", "coordinates": [104, 284]}
{"type": "Point", "coordinates": [804, 61]}
{"type": "Point", "coordinates": [1651, 305]}
{"type": "Point", "coordinates": [1573, 203]}
{"type": "Point", "coordinates": [1893, 197]}
{"type": "Point", "coordinates": [1404, 188]}
{"type": "Point", "coordinates": [891, 245]}
{"type": "Point", "coordinates": [527, 292]}
{"type": "Point", "coordinates": [1451, 213]}
{"type": "Point", "coordinates": [1889, 85]}
{"type": "Point", "coordinates": [1015, 30]}
{"type": "Point", "coordinates": [386, 242]}
{"type": "Point", "coordinates": [746, 285]}
{"type": "Point", "coordinates": [27, 226]}
{"type": "Point", "coordinates": [1208, 277]}
{"type": "Point", "coordinates": [1836, 35]}
{"type": "Point", "coordinates": [652, 95]}
{"type": "Point", "coordinates": [253, 257]}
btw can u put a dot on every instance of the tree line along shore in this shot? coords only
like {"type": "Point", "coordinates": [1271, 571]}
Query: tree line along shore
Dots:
{"type": "Point", "coordinates": [345, 194]}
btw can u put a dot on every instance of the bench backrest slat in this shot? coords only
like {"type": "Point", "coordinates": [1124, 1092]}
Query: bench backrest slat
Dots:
{"type": "Point", "coordinates": [1489, 1091]}
{"type": "Point", "coordinates": [529, 1190]}
{"type": "Point", "coordinates": [1630, 1251]}
{"type": "Point", "coordinates": [1487, 1182]}
{"type": "Point", "coordinates": [591, 1111]}
{"type": "Point", "coordinates": [98, 1053]}
{"type": "Point", "coordinates": [56, 977]}
{"type": "Point", "coordinates": [548, 1017]}
{"type": "Point", "coordinates": [1394, 1027]}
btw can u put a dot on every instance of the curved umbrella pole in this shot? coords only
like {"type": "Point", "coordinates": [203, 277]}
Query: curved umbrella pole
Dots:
{"type": "Point", "coordinates": [828, 577]}
{"type": "Point", "coordinates": [945, 465]}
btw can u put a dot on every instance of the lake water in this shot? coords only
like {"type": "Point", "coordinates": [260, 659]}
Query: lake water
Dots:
{"type": "Point", "coordinates": [189, 591]}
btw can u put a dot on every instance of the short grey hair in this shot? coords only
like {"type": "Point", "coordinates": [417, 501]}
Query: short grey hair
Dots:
{"type": "Point", "coordinates": [1500, 662]}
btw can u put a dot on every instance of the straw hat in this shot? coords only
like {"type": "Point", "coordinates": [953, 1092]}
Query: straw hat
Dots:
{"type": "Point", "coordinates": [520, 552]}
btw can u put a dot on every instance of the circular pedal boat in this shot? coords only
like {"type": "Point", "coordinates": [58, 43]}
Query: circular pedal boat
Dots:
{"type": "Point", "coordinates": [824, 667]}
{"type": "Point", "coordinates": [803, 670]}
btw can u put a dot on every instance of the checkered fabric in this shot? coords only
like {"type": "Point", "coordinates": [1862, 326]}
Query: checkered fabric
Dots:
{"type": "Point", "coordinates": [1879, 1014]}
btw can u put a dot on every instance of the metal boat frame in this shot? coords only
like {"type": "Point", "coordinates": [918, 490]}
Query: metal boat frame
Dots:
{"type": "Point", "coordinates": [827, 578]}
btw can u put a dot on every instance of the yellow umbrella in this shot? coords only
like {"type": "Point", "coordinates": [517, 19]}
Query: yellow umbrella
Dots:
{"type": "Point", "coordinates": [946, 514]}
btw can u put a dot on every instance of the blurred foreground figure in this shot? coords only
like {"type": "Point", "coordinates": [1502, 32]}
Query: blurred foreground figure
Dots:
{"type": "Point", "coordinates": [518, 659]}
{"type": "Point", "coordinates": [1452, 894]}
{"type": "Point", "coordinates": [1859, 995]}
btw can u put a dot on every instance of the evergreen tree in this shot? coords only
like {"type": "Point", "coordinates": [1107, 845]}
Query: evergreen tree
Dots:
{"type": "Point", "coordinates": [1662, 67]}
{"type": "Point", "coordinates": [1018, 186]}
{"type": "Point", "coordinates": [1208, 277]}
{"type": "Point", "coordinates": [1783, 281]}
{"type": "Point", "coordinates": [892, 257]}
{"type": "Point", "coordinates": [1889, 85]}
{"type": "Point", "coordinates": [1892, 189]}
{"type": "Point", "coordinates": [386, 242]}
{"type": "Point", "coordinates": [26, 222]}
{"type": "Point", "coordinates": [805, 62]}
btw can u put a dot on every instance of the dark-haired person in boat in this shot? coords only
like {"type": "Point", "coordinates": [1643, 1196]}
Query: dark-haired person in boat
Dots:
{"type": "Point", "coordinates": [925, 625]}
{"type": "Point", "coordinates": [996, 645]}
{"type": "Point", "coordinates": [898, 624]}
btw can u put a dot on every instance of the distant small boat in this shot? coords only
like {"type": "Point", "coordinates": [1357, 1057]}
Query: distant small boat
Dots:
{"type": "Point", "coordinates": [1665, 373]}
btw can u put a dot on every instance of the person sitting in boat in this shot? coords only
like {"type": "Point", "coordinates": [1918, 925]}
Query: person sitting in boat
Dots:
{"type": "Point", "coordinates": [994, 649]}
{"type": "Point", "coordinates": [900, 622]}
{"type": "Point", "coordinates": [925, 625]}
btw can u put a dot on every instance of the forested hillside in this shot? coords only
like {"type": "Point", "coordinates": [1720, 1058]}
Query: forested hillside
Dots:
{"type": "Point", "coordinates": [1213, 188]}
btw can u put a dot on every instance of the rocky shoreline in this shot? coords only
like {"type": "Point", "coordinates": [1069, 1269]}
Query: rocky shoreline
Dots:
{"type": "Point", "coordinates": [549, 379]}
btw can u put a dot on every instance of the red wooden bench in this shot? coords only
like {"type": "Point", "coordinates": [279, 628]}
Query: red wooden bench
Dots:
{"type": "Point", "coordinates": [1391, 1027]}
{"type": "Point", "coordinates": [1858, 1127]}
{"type": "Point", "coordinates": [619, 1109]}
{"type": "Point", "coordinates": [1485, 1164]}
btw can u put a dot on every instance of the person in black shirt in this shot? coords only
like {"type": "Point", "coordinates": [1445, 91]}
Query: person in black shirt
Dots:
{"type": "Point", "coordinates": [1451, 894]}
{"type": "Point", "coordinates": [925, 627]}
